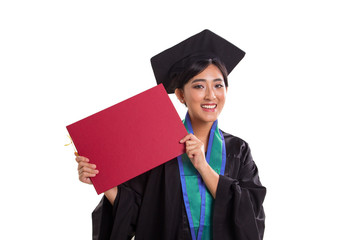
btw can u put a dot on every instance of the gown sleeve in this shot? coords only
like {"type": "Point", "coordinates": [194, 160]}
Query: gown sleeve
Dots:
{"type": "Point", "coordinates": [238, 210]}
{"type": "Point", "coordinates": [123, 214]}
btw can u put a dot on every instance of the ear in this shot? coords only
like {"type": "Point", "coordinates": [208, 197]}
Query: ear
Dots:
{"type": "Point", "coordinates": [179, 94]}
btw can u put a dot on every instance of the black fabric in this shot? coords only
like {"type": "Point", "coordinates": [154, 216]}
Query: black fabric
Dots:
{"type": "Point", "coordinates": [151, 205]}
{"type": "Point", "coordinates": [205, 44]}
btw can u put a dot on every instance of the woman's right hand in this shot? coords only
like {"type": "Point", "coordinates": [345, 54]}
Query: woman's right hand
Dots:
{"type": "Point", "coordinates": [86, 169]}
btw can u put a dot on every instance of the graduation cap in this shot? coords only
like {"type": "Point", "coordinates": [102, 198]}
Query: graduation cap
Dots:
{"type": "Point", "coordinates": [204, 45]}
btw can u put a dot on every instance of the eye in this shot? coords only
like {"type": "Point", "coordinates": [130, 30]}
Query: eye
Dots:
{"type": "Point", "coordinates": [198, 86]}
{"type": "Point", "coordinates": [219, 85]}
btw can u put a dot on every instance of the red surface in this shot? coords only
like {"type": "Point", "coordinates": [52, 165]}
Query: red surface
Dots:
{"type": "Point", "coordinates": [129, 138]}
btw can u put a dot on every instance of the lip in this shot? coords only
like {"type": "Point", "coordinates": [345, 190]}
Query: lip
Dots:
{"type": "Point", "coordinates": [209, 107]}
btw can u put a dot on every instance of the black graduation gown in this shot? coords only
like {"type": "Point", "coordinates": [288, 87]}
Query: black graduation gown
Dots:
{"type": "Point", "coordinates": [151, 205]}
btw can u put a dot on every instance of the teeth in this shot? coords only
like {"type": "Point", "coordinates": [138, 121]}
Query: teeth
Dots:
{"type": "Point", "coordinates": [209, 106]}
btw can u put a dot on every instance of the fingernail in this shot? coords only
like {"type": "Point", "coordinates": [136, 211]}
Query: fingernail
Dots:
{"type": "Point", "coordinates": [96, 171]}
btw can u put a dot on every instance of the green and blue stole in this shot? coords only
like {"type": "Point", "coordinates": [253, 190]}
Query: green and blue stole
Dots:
{"type": "Point", "coordinates": [198, 200]}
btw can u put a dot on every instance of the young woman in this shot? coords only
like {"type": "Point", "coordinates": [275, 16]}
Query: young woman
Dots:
{"type": "Point", "coordinates": [213, 190]}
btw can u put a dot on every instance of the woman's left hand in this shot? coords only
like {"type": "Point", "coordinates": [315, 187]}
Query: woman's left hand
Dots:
{"type": "Point", "coordinates": [195, 150]}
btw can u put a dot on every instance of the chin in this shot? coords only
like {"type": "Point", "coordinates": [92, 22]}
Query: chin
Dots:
{"type": "Point", "coordinates": [203, 116]}
{"type": "Point", "coordinates": [209, 117]}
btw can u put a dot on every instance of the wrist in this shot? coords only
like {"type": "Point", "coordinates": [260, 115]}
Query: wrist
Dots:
{"type": "Point", "coordinates": [203, 167]}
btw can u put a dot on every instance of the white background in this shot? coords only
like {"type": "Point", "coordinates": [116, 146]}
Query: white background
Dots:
{"type": "Point", "coordinates": [294, 98]}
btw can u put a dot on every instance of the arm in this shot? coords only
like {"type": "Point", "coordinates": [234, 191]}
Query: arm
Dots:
{"type": "Point", "coordinates": [87, 170]}
{"type": "Point", "coordinates": [111, 194]}
{"type": "Point", "coordinates": [210, 177]}
{"type": "Point", "coordinates": [196, 153]}
{"type": "Point", "coordinates": [119, 207]}
{"type": "Point", "coordinates": [238, 210]}
{"type": "Point", "coordinates": [122, 214]}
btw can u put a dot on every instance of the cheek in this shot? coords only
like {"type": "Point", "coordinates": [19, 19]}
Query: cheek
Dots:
{"type": "Point", "coordinates": [221, 96]}
{"type": "Point", "coordinates": [194, 95]}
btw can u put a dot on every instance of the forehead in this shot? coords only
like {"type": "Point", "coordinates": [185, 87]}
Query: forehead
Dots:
{"type": "Point", "coordinates": [211, 72]}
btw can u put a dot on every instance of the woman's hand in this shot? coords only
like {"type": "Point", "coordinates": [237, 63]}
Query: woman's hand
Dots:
{"type": "Point", "coordinates": [195, 151]}
{"type": "Point", "coordinates": [196, 154]}
{"type": "Point", "coordinates": [86, 170]}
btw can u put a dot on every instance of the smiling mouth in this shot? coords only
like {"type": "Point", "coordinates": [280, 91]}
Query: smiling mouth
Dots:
{"type": "Point", "coordinates": [209, 106]}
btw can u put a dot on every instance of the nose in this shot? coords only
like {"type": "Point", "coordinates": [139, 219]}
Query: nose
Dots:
{"type": "Point", "coordinates": [210, 94]}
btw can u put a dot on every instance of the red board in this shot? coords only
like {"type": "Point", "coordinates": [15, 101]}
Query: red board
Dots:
{"type": "Point", "coordinates": [130, 138]}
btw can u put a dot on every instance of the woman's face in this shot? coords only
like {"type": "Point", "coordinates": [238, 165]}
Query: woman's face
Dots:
{"type": "Point", "coordinates": [204, 95]}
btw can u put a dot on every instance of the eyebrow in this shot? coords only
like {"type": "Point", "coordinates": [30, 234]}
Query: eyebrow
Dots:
{"type": "Point", "coordinates": [203, 80]}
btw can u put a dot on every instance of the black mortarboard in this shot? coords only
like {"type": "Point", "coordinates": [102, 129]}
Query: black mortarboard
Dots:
{"type": "Point", "coordinates": [204, 44]}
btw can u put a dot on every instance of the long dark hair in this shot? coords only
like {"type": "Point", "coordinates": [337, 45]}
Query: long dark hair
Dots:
{"type": "Point", "coordinates": [179, 79]}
